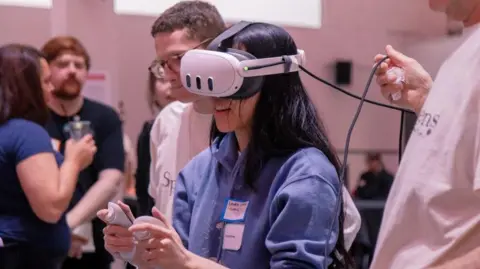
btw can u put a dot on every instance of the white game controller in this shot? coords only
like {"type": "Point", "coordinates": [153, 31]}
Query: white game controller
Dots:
{"type": "Point", "coordinates": [144, 235]}
{"type": "Point", "coordinates": [146, 219]}
{"type": "Point", "coordinates": [117, 216]}
{"type": "Point", "coordinates": [400, 74]}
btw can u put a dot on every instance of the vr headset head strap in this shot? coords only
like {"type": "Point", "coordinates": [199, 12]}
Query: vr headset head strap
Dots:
{"type": "Point", "coordinates": [216, 44]}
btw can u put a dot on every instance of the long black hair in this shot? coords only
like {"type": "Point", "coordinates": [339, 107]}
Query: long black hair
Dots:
{"type": "Point", "coordinates": [285, 120]}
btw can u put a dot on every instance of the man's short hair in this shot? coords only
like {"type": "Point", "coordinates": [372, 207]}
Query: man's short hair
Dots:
{"type": "Point", "coordinates": [201, 20]}
{"type": "Point", "coordinates": [60, 45]}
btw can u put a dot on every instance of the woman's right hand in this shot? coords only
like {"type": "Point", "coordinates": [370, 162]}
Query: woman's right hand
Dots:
{"type": "Point", "coordinates": [81, 151]}
{"type": "Point", "coordinates": [117, 238]}
{"type": "Point", "coordinates": [414, 90]}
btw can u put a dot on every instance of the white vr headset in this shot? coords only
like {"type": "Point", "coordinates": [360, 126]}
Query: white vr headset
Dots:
{"type": "Point", "coordinates": [226, 72]}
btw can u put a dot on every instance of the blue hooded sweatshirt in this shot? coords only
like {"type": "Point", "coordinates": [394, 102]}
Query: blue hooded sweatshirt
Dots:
{"type": "Point", "coordinates": [287, 219]}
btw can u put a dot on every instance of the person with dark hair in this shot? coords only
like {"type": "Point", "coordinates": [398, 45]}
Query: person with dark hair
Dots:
{"type": "Point", "coordinates": [375, 183]}
{"type": "Point", "coordinates": [271, 157]}
{"type": "Point", "coordinates": [101, 181]}
{"type": "Point", "coordinates": [158, 97]}
{"type": "Point", "coordinates": [37, 183]}
{"type": "Point", "coordinates": [180, 132]}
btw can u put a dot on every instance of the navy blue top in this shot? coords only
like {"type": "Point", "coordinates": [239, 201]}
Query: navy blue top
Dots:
{"type": "Point", "coordinates": [19, 140]}
{"type": "Point", "coordinates": [288, 217]}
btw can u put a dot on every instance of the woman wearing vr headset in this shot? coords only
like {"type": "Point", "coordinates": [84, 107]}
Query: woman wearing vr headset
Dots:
{"type": "Point", "coordinates": [264, 194]}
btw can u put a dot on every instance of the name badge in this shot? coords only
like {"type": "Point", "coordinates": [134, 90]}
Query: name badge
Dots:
{"type": "Point", "coordinates": [232, 236]}
{"type": "Point", "coordinates": [234, 211]}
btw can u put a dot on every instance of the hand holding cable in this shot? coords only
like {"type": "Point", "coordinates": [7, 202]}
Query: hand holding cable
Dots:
{"type": "Point", "coordinates": [409, 91]}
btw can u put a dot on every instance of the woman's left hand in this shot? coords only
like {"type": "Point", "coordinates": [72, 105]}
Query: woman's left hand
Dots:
{"type": "Point", "coordinates": [164, 247]}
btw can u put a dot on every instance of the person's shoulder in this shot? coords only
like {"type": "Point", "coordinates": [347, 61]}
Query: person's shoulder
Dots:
{"type": "Point", "coordinates": [22, 132]}
{"type": "Point", "coordinates": [24, 127]}
{"type": "Point", "coordinates": [168, 117]}
{"type": "Point", "coordinates": [365, 174]}
{"type": "Point", "coordinates": [93, 104]}
{"type": "Point", "coordinates": [200, 164]}
{"type": "Point", "coordinates": [171, 112]}
{"type": "Point", "coordinates": [24, 138]}
{"type": "Point", "coordinates": [146, 129]}
{"type": "Point", "coordinates": [105, 112]}
{"type": "Point", "coordinates": [310, 163]}
{"type": "Point", "coordinates": [197, 118]}
{"type": "Point", "coordinates": [174, 109]}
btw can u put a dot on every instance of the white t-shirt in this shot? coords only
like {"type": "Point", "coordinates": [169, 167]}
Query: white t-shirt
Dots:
{"type": "Point", "coordinates": [178, 134]}
{"type": "Point", "coordinates": [432, 214]}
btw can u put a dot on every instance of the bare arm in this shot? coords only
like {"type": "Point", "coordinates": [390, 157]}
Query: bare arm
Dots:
{"type": "Point", "coordinates": [197, 262]}
{"type": "Point", "coordinates": [110, 161]}
{"type": "Point", "coordinates": [48, 190]}
{"type": "Point", "coordinates": [471, 260]}
{"type": "Point", "coordinates": [96, 198]}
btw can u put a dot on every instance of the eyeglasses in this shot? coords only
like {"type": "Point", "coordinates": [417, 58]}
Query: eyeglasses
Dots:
{"type": "Point", "coordinates": [157, 67]}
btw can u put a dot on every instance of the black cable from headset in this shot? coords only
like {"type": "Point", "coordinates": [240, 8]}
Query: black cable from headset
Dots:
{"type": "Point", "coordinates": [349, 134]}
{"type": "Point", "coordinates": [351, 94]}
{"type": "Point", "coordinates": [352, 126]}
{"type": "Point", "coordinates": [400, 139]}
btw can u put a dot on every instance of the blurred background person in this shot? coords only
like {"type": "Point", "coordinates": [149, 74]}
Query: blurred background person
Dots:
{"type": "Point", "coordinates": [128, 190]}
{"type": "Point", "coordinates": [375, 183]}
{"type": "Point", "coordinates": [69, 62]}
{"type": "Point", "coordinates": [158, 96]}
{"type": "Point", "coordinates": [34, 192]}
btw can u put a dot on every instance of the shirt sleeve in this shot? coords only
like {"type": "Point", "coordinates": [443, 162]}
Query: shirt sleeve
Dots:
{"type": "Point", "coordinates": [182, 208]}
{"type": "Point", "coordinates": [353, 220]}
{"type": "Point", "coordinates": [186, 189]}
{"type": "Point", "coordinates": [156, 137]}
{"type": "Point", "coordinates": [110, 151]}
{"type": "Point", "coordinates": [302, 214]}
{"type": "Point", "coordinates": [29, 139]}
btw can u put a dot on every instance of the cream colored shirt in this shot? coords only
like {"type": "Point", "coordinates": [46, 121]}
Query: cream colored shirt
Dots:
{"type": "Point", "coordinates": [178, 134]}
{"type": "Point", "coordinates": [432, 214]}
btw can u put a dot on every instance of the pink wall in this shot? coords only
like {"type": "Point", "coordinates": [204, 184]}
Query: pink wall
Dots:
{"type": "Point", "coordinates": [354, 30]}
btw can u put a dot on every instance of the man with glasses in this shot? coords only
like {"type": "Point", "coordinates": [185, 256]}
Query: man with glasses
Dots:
{"type": "Point", "coordinates": [98, 183]}
{"type": "Point", "coordinates": [179, 132]}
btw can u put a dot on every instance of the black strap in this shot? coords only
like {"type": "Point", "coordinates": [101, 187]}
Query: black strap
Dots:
{"type": "Point", "coordinates": [232, 31]}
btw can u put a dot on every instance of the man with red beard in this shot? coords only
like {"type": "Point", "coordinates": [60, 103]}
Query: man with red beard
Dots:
{"type": "Point", "coordinates": [98, 183]}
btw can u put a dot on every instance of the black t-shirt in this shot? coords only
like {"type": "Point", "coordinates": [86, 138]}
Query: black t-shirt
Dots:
{"type": "Point", "coordinates": [108, 135]}
{"type": "Point", "coordinates": [377, 185]}
{"type": "Point", "coordinates": [142, 175]}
